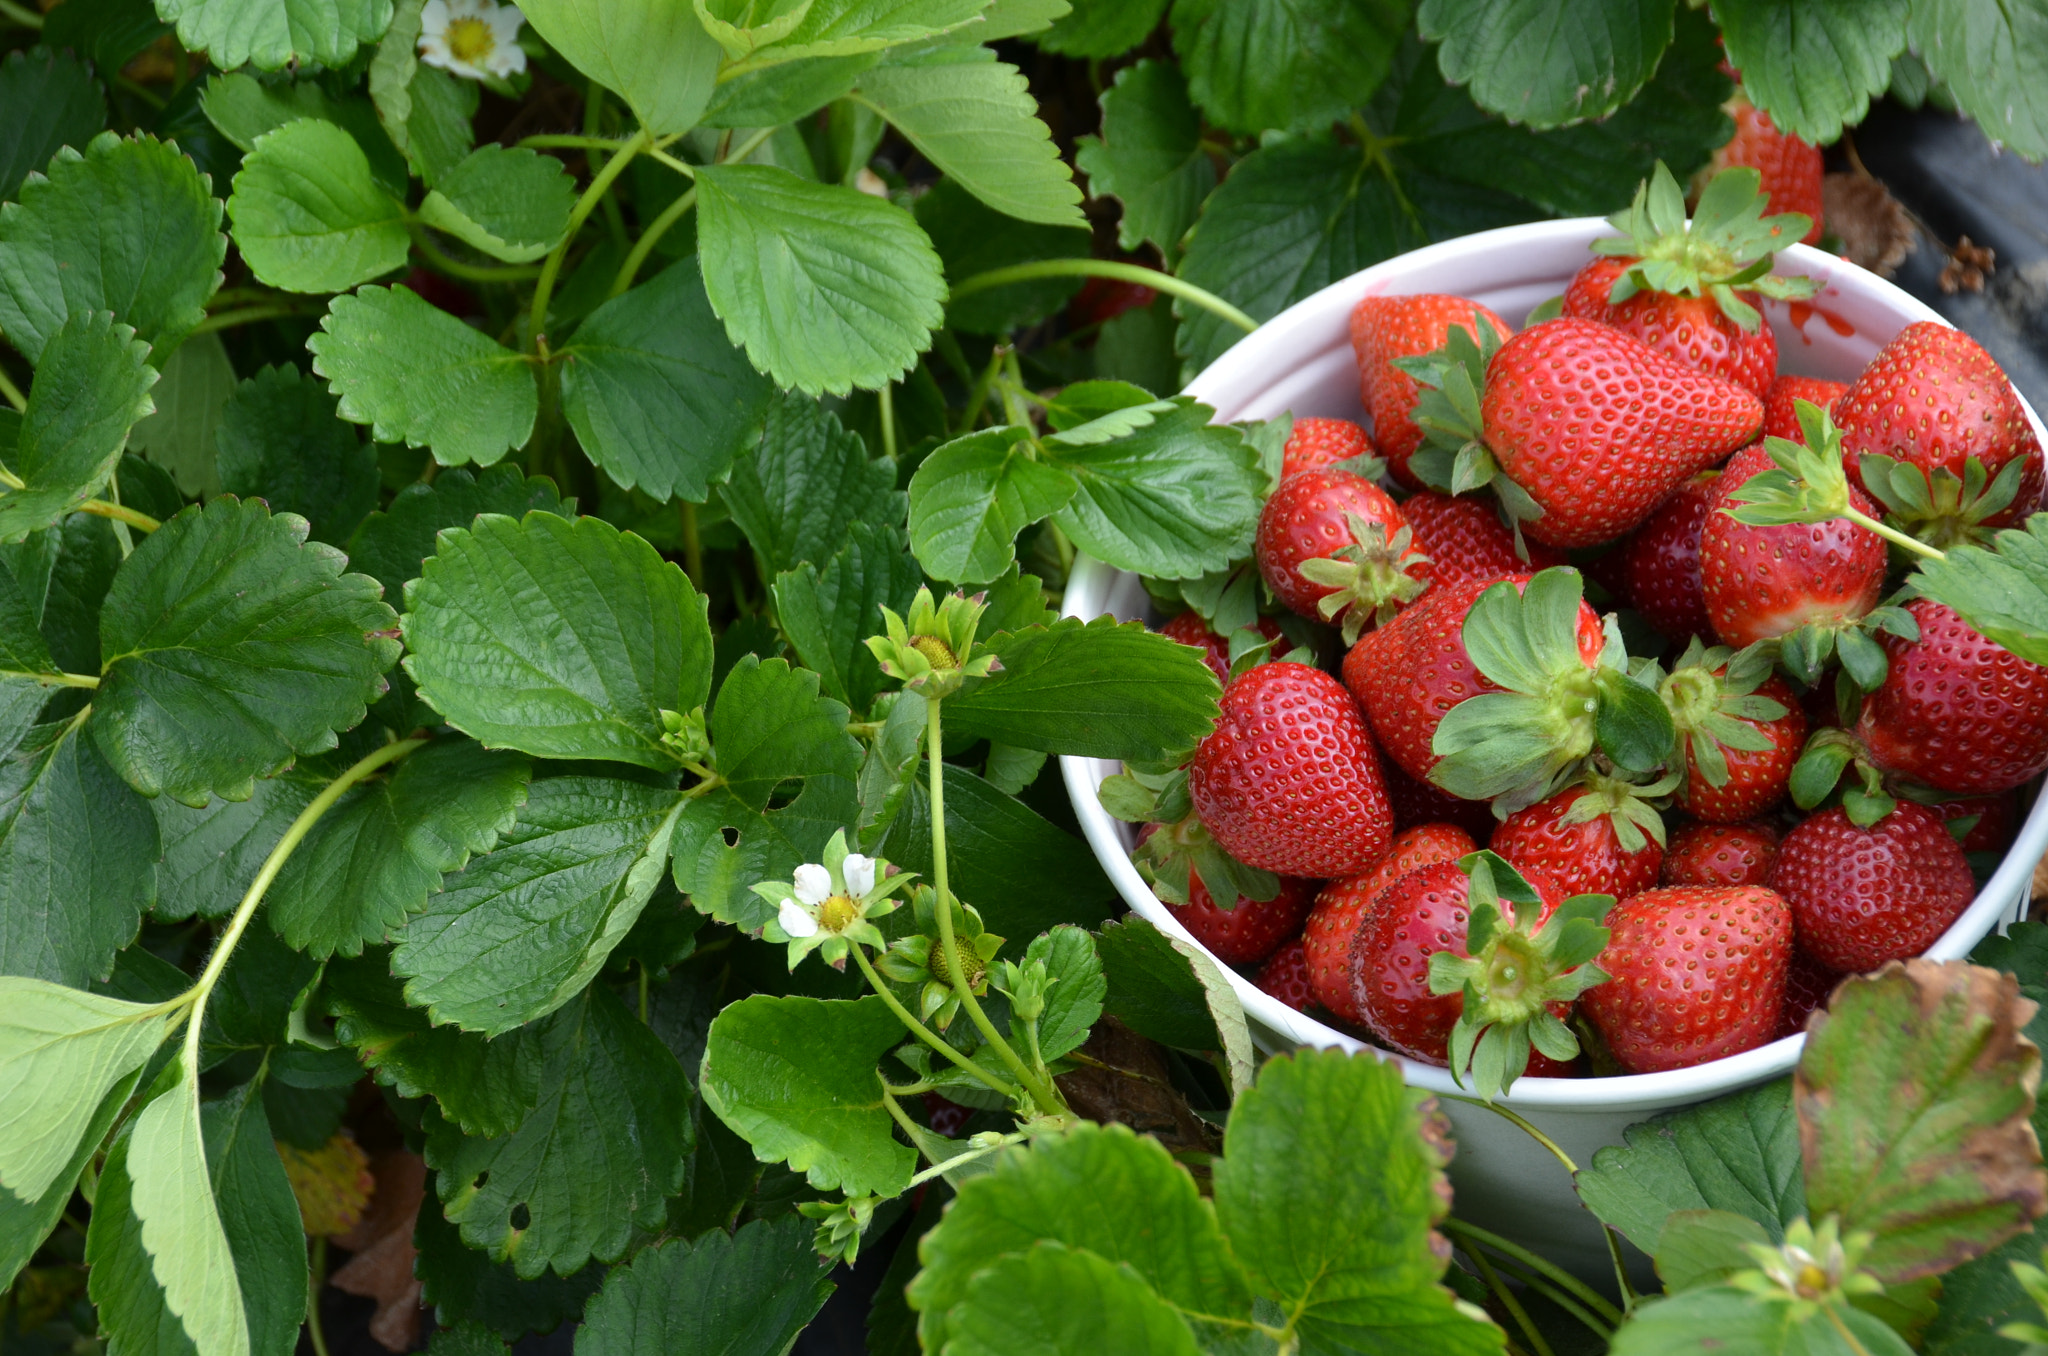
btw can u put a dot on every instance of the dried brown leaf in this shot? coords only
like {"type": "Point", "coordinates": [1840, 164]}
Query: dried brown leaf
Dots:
{"type": "Point", "coordinates": [1124, 1079]}
{"type": "Point", "coordinates": [382, 1268]}
{"type": "Point", "coordinates": [1874, 229]}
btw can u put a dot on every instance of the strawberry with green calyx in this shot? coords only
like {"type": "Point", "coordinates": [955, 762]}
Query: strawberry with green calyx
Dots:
{"type": "Point", "coordinates": [1334, 546]}
{"type": "Point", "coordinates": [1934, 400]}
{"type": "Point", "coordinates": [1175, 850]}
{"type": "Point", "coordinates": [1343, 906]}
{"type": "Point", "coordinates": [1829, 753]}
{"type": "Point", "coordinates": [1603, 837]}
{"type": "Point", "coordinates": [1386, 329]}
{"type": "Point", "coordinates": [1740, 730]}
{"type": "Point", "coordinates": [1862, 894]}
{"type": "Point", "coordinates": [1218, 651]}
{"type": "Point", "coordinates": [1517, 968]}
{"type": "Point", "coordinates": [1956, 711]}
{"type": "Point", "coordinates": [933, 650]}
{"type": "Point", "coordinates": [910, 960]}
{"type": "Point", "coordinates": [1463, 539]}
{"type": "Point", "coordinates": [1781, 414]}
{"type": "Point", "coordinates": [1320, 444]}
{"type": "Point", "coordinates": [1553, 708]}
{"type": "Point", "coordinates": [1719, 854]}
{"type": "Point", "coordinates": [1689, 292]}
{"type": "Point", "coordinates": [1580, 430]}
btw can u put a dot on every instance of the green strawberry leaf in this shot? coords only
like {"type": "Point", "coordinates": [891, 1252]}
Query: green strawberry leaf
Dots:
{"type": "Point", "coordinates": [806, 484]}
{"type": "Point", "coordinates": [1548, 64]}
{"type": "Point", "coordinates": [1722, 1318]}
{"type": "Point", "coordinates": [1814, 65]}
{"type": "Point", "coordinates": [233, 645]}
{"type": "Point", "coordinates": [419, 376]}
{"type": "Point", "coordinates": [1064, 1302]}
{"type": "Point", "coordinates": [210, 854]}
{"type": "Point", "coordinates": [656, 394]}
{"type": "Point", "coordinates": [971, 497]}
{"type": "Point", "coordinates": [1102, 28]}
{"type": "Point", "coordinates": [1290, 66]}
{"type": "Point", "coordinates": [393, 544]}
{"type": "Point", "coordinates": [511, 204]}
{"type": "Point", "coordinates": [92, 386]}
{"type": "Point", "coordinates": [465, 1286]}
{"type": "Point", "coordinates": [2001, 592]}
{"type": "Point", "coordinates": [973, 238]}
{"type": "Point", "coordinates": [1992, 61]}
{"type": "Point", "coordinates": [26, 1223]}
{"type": "Point", "coordinates": [279, 440]}
{"type": "Point", "coordinates": [562, 639]}
{"type": "Point", "coordinates": [273, 34]}
{"type": "Point", "coordinates": [128, 226]}
{"type": "Point", "coordinates": [826, 287]}
{"type": "Point", "coordinates": [1706, 1247]}
{"type": "Point", "coordinates": [751, 1290]}
{"type": "Point", "coordinates": [62, 1050]}
{"type": "Point", "coordinates": [1149, 156]}
{"type": "Point", "coordinates": [47, 99]}
{"type": "Point", "coordinates": [522, 929]}
{"type": "Point", "coordinates": [795, 1078]}
{"type": "Point", "coordinates": [596, 1157]}
{"type": "Point", "coordinates": [308, 214]}
{"type": "Point", "coordinates": [190, 399]}
{"type": "Point", "coordinates": [848, 27]}
{"type": "Point", "coordinates": [829, 613]}
{"type": "Point", "coordinates": [243, 108]}
{"type": "Point", "coordinates": [658, 57]}
{"type": "Point", "coordinates": [1073, 1003]}
{"type": "Point", "coordinates": [1153, 989]}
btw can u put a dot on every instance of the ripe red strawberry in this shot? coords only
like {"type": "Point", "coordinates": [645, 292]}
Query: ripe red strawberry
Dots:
{"type": "Point", "coordinates": [1386, 328]}
{"type": "Point", "coordinates": [1781, 420]}
{"type": "Point", "coordinates": [1588, 428]}
{"type": "Point", "coordinates": [1463, 540]}
{"type": "Point", "coordinates": [1290, 780]}
{"type": "Point", "coordinates": [1697, 973]}
{"type": "Point", "coordinates": [1995, 818]}
{"type": "Point", "coordinates": [1334, 546]}
{"type": "Point", "coordinates": [1285, 976]}
{"type": "Point", "coordinates": [1659, 564]}
{"type": "Point", "coordinates": [1410, 674]}
{"type": "Point", "coordinates": [1762, 582]}
{"type": "Point", "coordinates": [1740, 730]}
{"type": "Point", "coordinates": [1791, 168]}
{"type": "Point", "coordinates": [1344, 904]}
{"type": "Point", "coordinates": [1597, 840]}
{"type": "Point", "coordinates": [1861, 897]}
{"type": "Point", "coordinates": [1318, 443]}
{"type": "Point", "coordinates": [1719, 854]}
{"type": "Point", "coordinates": [1957, 712]}
{"type": "Point", "coordinates": [1418, 803]}
{"type": "Point", "coordinates": [1691, 330]}
{"type": "Point", "coordinates": [1807, 986]}
{"type": "Point", "coordinates": [1251, 931]}
{"type": "Point", "coordinates": [1932, 398]}
{"type": "Point", "coordinates": [1429, 911]}
{"type": "Point", "coordinates": [1189, 629]}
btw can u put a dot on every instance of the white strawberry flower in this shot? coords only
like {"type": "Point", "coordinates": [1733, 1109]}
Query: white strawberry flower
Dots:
{"type": "Point", "coordinates": [828, 904]}
{"type": "Point", "coordinates": [475, 39]}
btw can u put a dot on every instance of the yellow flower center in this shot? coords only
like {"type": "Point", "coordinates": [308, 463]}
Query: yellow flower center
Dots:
{"type": "Point", "coordinates": [935, 651]}
{"type": "Point", "coordinates": [837, 914]}
{"type": "Point", "coordinates": [471, 41]}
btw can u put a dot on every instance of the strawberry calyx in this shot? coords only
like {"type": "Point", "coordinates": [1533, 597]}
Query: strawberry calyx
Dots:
{"type": "Point", "coordinates": [1728, 244]}
{"type": "Point", "coordinates": [1626, 805]}
{"type": "Point", "coordinates": [1516, 746]}
{"type": "Point", "coordinates": [1175, 847]}
{"type": "Point", "coordinates": [1454, 459]}
{"type": "Point", "coordinates": [1938, 507]}
{"type": "Point", "coordinates": [1712, 696]}
{"type": "Point", "coordinates": [1828, 754]}
{"type": "Point", "coordinates": [1372, 576]}
{"type": "Point", "coordinates": [1514, 972]}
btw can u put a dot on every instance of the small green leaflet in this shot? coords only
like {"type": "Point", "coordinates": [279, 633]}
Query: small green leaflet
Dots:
{"type": "Point", "coordinates": [1546, 63]}
{"type": "Point", "coordinates": [1721, 1318]}
{"type": "Point", "coordinates": [806, 484]}
{"type": "Point", "coordinates": [392, 543]}
{"type": "Point", "coordinates": [272, 34]}
{"type": "Point", "coordinates": [1074, 1001]}
{"type": "Point", "coordinates": [419, 376]}
{"type": "Point", "coordinates": [179, 437]}
{"type": "Point", "coordinates": [172, 1195]}
{"type": "Point", "coordinates": [752, 1290]}
{"type": "Point", "coordinates": [850, 27]}
{"type": "Point", "coordinates": [211, 854]}
{"type": "Point", "coordinates": [1813, 65]}
{"type": "Point", "coordinates": [26, 1223]}
{"type": "Point", "coordinates": [511, 204]}
{"type": "Point", "coordinates": [61, 1050]}
{"type": "Point", "coordinates": [1102, 28]}
{"type": "Point", "coordinates": [278, 439]}
{"type": "Point", "coordinates": [308, 215]}
{"type": "Point", "coordinates": [563, 639]}
{"type": "Point", "coordinates": [47, 99]}
{"type": "Point", "coordinates": [795, 1078]}
{"type": "Point", "coordinates": [1066, 1301]}
{"type": "Point", "coordinates": [971, 497]}
{"type": "Point", "coordinates": [1285, 65]}
{"type": "Point", "coordinates": [129, 226]}
{"type": "Point", "coordinates": [826, 287]}
{"type": "Point", "coordinates": [828, 613]}
{"type": "Point", "coordinates": [232, 645]}
{"type": "Point", "coordinates": [655, 54]}
{"type": "Point", "coordinates": [1149, 156]}
{"type": "Point", "coordinates": [92, 385]}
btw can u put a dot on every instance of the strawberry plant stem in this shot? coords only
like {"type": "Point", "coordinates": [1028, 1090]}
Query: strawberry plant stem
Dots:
{"type": "Point", "coordinates": [84, 680]}
{"type": "Point", "coordinates": [1106, 268]}
{"type": "Point", "coordinates": [1514, 1306]}
{"type": "Point", "coordinates": [11, 393]}
{"type": "Point", "coordinates": [247, 315]}
{"type": "Point", "coordinates": [918, 1029]}
{"type": "Point", "coordinates": [1514, 1271]}
{"type": "Point", "coordinates": [1472, 1233]}
{"type": "Point", "coordinates": [651, 237]}
{"type": "Point", "coordinates": [939, 1169]}
{"type": "Point", "coordinates": [551, 268]}
{"type": "Point", "coordinates": [442, 262]}
{"type": "Point", "coordinates": [1892, 534]}
{"type": "Point", "coordinates": [1041, 1090]}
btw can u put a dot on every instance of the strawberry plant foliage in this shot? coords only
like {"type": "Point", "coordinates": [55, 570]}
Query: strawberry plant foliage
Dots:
{"type": "Point", "coordinates": [476, 633]}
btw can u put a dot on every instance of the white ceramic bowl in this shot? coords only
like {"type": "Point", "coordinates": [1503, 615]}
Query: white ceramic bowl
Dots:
{"type": "Point", "coordinates": [1301, 362]}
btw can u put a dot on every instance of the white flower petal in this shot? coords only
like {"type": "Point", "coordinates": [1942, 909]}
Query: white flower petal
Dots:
{"type": "Point", "coordinates": [465, 9]}
{"type": "Point", "coordinates": [860, 874]}
{"type": "Point", "coordinates": [434, 19]}
{"type": "Point", "coordinates": [506, 60]}
{"type": "Point", "coordinates": [813, 884]}
{"type": "Point", "coordinates": [505, 22]}
{"type": "Point", "coordinates": [795, 921]}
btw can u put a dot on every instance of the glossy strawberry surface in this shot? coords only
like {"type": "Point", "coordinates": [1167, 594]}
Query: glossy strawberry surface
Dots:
{"type": "Point", "coordinates": [1343, 905]}
{"type": "Point", "coordinates": [1386, 328]}
{"type": "Point", "coordinates": [1808, 984]}
{"type": "Point", "coordinates": [1933, 397]}
{"type": "Point", "coordinates": [1290, 780]}
{"type": "Point", "coordinates": [1781, 409]}
{"type": "Point", "coordinates": [1252, 930]}
{"type": "Point", "coordinates": [1598, 427]}
{"type": "Point", "coordinates": [1189, 629]}
{"type": "Point", "coordinates": [1991, 820]}
{"type": "Point", "coordinates": [1465, 540]}
{"type": "Point", "coordinates": [1586, 858]}
{"type": "Point", "coordinates": [1308, 518]}
{"type": "Point", "coordinates": [1417, 803]}
{"type": "Point", "coordinates": [1791, 168]}
{"type": "Point", "coordinates": [1659, 564]}
{"type": "Point", "coordinates": [1696, 973]}
{"type": "Point", "coordinates": [1761, 582]}
{"type": "Point", "coordinates": [1317, 443]}
{"type": "Point", "coordinates": [1957, 712]}
{"type": "Point", "coordinates": [1285, 976]}
{"type": "Point", "coordinates": [1421, 914]}
{"type": "Point", "coordinates": [1691, 330]}
{"type": "Point", "coordinates": [1719, 854]}
{"type": "Point", "coordinates": [1861, 897]}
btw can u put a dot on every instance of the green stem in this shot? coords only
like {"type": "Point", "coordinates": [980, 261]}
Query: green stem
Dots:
{"type": "Point", "coordinates": [1472, 1233]}
{"type": "Point", "coordinates": [896, 1113]}
{"type": "Point", "coordinates": [247, 315]}
{"type": "Point", "coordinates": [600, 184]}
{"type": "Point", "coordinates": [642, 967]}
{"type": "Point", "coordinates": [84, 680]}
{"type": "Point", "coordinates": [25, 17]}
{"type": "Point", "coordinates": [316, 1277]}
{"type": "Point", "coordinates": [940, 1169]}
{"type": "Point", "coordinates": [11, 392]}
{"type": "Point", "coordinates": [1517, 1272]}
{"type": "Point", "coordinates": [121, 533]}
{"type": "Point", "coordinates": [97, 507]}
{"type": "Point", "coordinates": [1892, 534]}
{"type": "Point", "coordinates": [651, 237]}
{"type": "Point", "coordinates": [1042, 1092]}
{"type": "Point", "coordinates": [925, 1033]}
{"type": "Point", "coordinates": [1512, 1305]}
{"type": "Point", "coordinates": [573, 143]}
{"type": "Point", "coordinates": [142, 92]}
{"type": "Point", "coordinates": [885, 401]}
{"type": "Point", "coordinates": [1014, 408]}
{"type": "Point", "coordinates": [1843, 1329]}
{"type": "Point", "coordinates": [977, 395]}
{"type": "Point", "coordinates": [747, 147]}
{"type": "Point", "coordinates": [1105, 268]}
{"type": "Point", "coordinates": [593, 123]}
{"type": "Point", "coordinates": [197, 995]}
{"type": "Point", "coordinates": [441, 261]}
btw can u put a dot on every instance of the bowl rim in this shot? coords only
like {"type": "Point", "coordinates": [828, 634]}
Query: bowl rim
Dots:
{"type": "Point", "coordinates": [1090, 581]}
